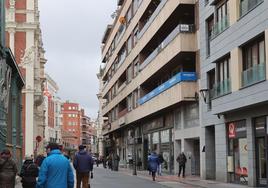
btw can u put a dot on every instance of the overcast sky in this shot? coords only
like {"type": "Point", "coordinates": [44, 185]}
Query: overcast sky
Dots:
{"type": "Point", "coordinates": [72, 31]}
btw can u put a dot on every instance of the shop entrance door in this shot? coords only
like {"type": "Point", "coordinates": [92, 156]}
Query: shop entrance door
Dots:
{"type": "Point", "coordinates": [261, 161]}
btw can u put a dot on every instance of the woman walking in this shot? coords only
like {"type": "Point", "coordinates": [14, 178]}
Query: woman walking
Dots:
{"type": "Point", "coordinates": [153, 161]}
{"type": "Point", "coordinates": [8, 170]}
{"type": "Point", "coordinates": [29, 172]}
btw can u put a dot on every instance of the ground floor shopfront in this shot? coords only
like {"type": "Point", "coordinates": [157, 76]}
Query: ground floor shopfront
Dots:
{"type": "Point", "coordinates": [235, 150]}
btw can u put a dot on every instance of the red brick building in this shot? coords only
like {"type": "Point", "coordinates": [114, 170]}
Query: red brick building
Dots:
{"type": "Point", "coordinates": [71, 119]}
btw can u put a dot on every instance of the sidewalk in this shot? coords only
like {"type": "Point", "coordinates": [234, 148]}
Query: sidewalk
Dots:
{"type": "Point", "coordinates": [169, 180]}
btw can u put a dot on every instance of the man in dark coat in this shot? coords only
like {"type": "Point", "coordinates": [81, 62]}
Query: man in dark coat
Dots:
{"type": "Point", "coordinates": [181, 159]}
{"type": "Point", "coordinates": [83, 164]}
{"type": "Point", "coordinates": [8, 170]}
{"type": "Point", "coordinates": [29, 172]}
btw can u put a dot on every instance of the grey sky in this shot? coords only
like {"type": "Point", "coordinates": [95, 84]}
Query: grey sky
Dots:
{"type": "Point", "coordinates": [72, 31]}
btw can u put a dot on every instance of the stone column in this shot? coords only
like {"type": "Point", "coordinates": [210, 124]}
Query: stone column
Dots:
{"type": "Point", "coordinates": [221, 152]}
{"type": "Point", "coordinates": [236, 68]}
{"type": "Point", "coordinates": [251, 153]}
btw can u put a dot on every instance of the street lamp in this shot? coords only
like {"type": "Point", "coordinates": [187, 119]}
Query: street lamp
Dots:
{"type": "Point", "coordinates": [205, 94]}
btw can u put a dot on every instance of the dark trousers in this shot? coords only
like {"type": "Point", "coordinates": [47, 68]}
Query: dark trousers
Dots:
{"type": "Point", "coordinates": [153, 175]}
{"type": "Point", "coordinates": [82, 177]}
{"type": "Point", "coordinates": [182, 167]}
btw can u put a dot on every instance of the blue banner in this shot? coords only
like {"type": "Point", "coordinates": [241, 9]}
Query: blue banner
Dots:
{"type": "Point", "coordinates": [182, 76]}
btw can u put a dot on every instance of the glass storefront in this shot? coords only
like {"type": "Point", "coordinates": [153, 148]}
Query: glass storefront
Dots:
{"type": "Point", "coordinates": [237, 152]}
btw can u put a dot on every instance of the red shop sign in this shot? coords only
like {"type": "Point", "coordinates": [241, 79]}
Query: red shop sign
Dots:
{"type": "Point", "coordinates": [231, 131]}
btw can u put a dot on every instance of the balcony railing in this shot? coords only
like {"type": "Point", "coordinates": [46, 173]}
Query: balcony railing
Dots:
{"type": "Point", "coordinates": [180, 77]}
{"type": "Point", "coordinates": [253, 75]}
{"type": "Point", "coordinates": [182, 28]}
{"type": "Point", "coordinates": [221, 88]}
{"type": "Point", "coordinates": [220, 26]}
{"type": "Point", "coordinates": [248, 5]}
{"type": "Point", "coordinates": [151, 19]}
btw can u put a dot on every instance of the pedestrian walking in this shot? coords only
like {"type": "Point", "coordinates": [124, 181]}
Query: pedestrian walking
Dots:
{"type": "Point", "coordinates": [159, 168]}
{"type": "Point", "coordinates": [55, 171]}
{"type": "Point", "coordinates": [28, 173]}
{"type": "Point", "coordinates": [8, 170]}
{"type": "Point", "coordinates": [181, 159]}
{"type": "Point", "coordinates": [153, 161]}
{"type": "Point", "coordinates": [116, 160]}
{"type": "Point", "coordinates": [39, 159]}
{"type": "Point", "coordinates": [83, 164]}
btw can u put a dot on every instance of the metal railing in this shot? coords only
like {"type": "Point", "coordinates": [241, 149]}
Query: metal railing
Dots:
{"type": "Point", "coordinates": [220, 26]}
{"type": "Point", "coordinates": [253, 75]}
{"type": "Point", "coordinates": [221, 88]}
{"type": "Point", "coordinates": [182, 28]}
{"type": "Point", "coordinates": [248, 5]}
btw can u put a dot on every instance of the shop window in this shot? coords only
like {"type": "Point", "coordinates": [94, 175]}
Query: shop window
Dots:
{"type": "Point", "coordinates": [237, 152]}
{"type": "Point", "coordinates": [192, 115]}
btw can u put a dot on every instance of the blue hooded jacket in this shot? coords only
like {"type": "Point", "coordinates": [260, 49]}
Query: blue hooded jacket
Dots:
{"type": "Point", "coordinates": [55, 171]}
{"type": "Point", "coordinates": [153, 161]}
{"type": "Point", "coordinates": [83, 162]}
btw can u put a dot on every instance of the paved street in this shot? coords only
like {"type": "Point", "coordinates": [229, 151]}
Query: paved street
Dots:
{"type": "Point", "coordinates": [104, 178]}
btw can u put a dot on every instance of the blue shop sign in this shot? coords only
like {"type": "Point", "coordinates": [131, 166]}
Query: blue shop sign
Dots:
{"type": "Point", "coordinates": [182, 76]}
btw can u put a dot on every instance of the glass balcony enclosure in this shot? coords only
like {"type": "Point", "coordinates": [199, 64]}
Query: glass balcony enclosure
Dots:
{"type": "Point", "coordinates": [253, 75]}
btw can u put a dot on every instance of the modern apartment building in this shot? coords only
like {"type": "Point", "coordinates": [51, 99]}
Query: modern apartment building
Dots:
{"type": "Point", "coordinates": [234, 73]}
{"type": "Point", "coordinates": [71, 127]}
{"type": "Point", "coordinates": [150, 83]}
{"type": "Point", "coordinates": [24, 38]}
{"type": "Point", "coordinates": [86, 130]}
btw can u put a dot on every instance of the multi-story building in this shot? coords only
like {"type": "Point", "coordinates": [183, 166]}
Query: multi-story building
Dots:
{"type": "Point", "coordinates": [58, 120]}
{"type": "Point", "coordinates": [71, 120]}
{"type": "Point", "coordinates": [11, 84]}
{"type": "Point", "coordinates": [86, 133]}
{"type": "Point", "coordinates": [52, 113]}
{"type": "Point", "coordinates": [150, 86]}
{"type": "Point", "coordinates": [100, 118]}
{"type": "Point", "coordinates": [23, 36]}
{"type": "Point", "coordinates": [234, 73]}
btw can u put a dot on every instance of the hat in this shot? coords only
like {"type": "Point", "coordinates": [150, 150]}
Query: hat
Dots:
{"type": "Point", "coordinates": [81, 147]}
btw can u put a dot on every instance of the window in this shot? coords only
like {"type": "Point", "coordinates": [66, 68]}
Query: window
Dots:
{"type": "Point", "coordinates": [247, 5]}
{"type": "Point", "coordinates": [129, 44]}
{"type": "Point", "coordinates": [129, 14]}
{"type": "Point", "coordinates": [209, 25]}
{"type": "Point", "coordinates": [253, 62]}
{"type": "Point", "coordinates": [129, 102]}
{"type": "Point", "coordinates": [122, 55]}
{"type": "Point", "coordinates": [135, 35]}
{"type": "Point", "coordinates": [135, 98]}
{"type": "Point", "coordinates": [223, 85]}
{"type": "Point", "coordinates": [192, 115]}
{"type": "Point", "coordinates": [135, 6]}
{"type": "Point", "coordinates": [129, 73]}
{"type": "Point", "coordinates": [222, 17]}
{"type": "Point", "coordinates": [136, 64]}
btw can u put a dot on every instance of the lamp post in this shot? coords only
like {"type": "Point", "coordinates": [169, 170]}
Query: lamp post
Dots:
{"type": "Point", "coordinates": [205, 94]}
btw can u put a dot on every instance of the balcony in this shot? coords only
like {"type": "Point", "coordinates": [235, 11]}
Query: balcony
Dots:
{"type": "Point", "coordinates": [122, 113]}
{"type": "Point", "coordinates": [247, 5]}
{"type": "Point", "coordinates": [221, 88]}
{"type": "Point", "coordinates": [151, 19]}
{"type": "Point", "coordinates": [180, 77]}
{"type": "Point", "coordinates": [253, 75]}
{"type": "Point", "coordinates": [220, 26]}
{"type": "Point", "coordinates": [182, 28]}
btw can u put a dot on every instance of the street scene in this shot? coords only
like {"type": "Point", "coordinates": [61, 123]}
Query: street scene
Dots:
{"type": "Point", "coordinates": [133, 93]}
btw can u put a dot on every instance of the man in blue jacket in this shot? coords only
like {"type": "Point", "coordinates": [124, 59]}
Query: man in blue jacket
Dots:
{"type": "Point", "coordinates": [83, 164]}
{"type": "Point", "coordinates": [55, 171]}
